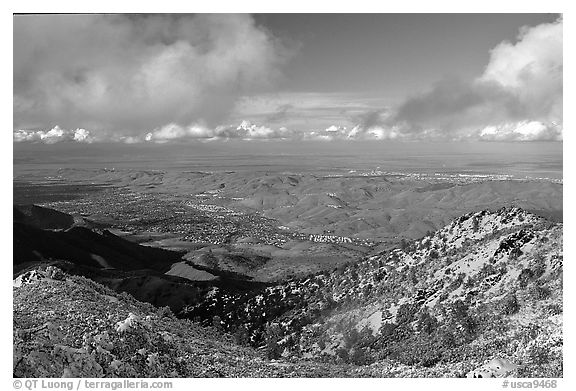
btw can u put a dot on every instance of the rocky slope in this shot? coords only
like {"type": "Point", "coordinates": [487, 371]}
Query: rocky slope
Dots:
{"type": "Point", "coordinates": [480, 297]}
{"type": "Point", "coordinates": [488, 284]}
{"type": "Point", "coordinates": [69, 326]}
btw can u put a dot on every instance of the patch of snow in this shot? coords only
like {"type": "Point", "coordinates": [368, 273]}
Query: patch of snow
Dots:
{"type": "Point", "coordinates": [27, 278]}
{"type": "Point", "coordinates": [127, 324]}
{"type": "Point", "coordinates": [182, 269]}
{"type": "Point", "coordinates": [101, 261]}
{"type": "Point", "coordinates": [373, 322]}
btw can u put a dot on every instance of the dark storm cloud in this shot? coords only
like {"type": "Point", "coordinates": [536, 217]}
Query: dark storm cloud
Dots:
{"type": "Point", "coordinates": [129, 74]}
{"type": "Point", "coordinates": [370, 119]}
{"type": "Point", "coordinates": [519, 96]}
{"type": "Point", "coordinates": [452, 104]}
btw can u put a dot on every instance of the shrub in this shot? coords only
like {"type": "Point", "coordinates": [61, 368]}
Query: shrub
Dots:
{"type": "Point", "coordinates": [387, 329]}
{"type": "Point", "coordinates": [487, 269]}
{"type": "Point", "coordinates": [515, 253]}
{"type": "Point", "coordinates": [509, 304]}
{"type": "Point", "coordinates": [525, 276]}
{"type": "Point", "coordinates": [475, 223]}
{"type": "Point", "coordinates": [351, 337]}
{"type": "Point", "coordinates": [321, 343]}
{"type": "Point", "coordinates": [217, 323]}
{"type": "Point", "coordinates": [539, 292]}
{"type": "Point", "coordinates": [342, 354]}
{"type": "Point", "coordinates": [469, 282]}
{"type": "Point", "coordinates": [461, 322]}
{"type": "Point", "coordinates": [539, 270]}
{"type": "Point", "coordinates": [359, 356]}
{"type": "Point", "coordinates": [406, 313]}
{"type": "Point", "coordinates": [554, 309]}
{"type": "Point", "coordinates": [404, 244]}
{"type": "Point", "coordinates": [164, 312]}
{"type": "Point", "coordinates": [426, 322]}
{"type": "Point", "coordinates": [241, 336]}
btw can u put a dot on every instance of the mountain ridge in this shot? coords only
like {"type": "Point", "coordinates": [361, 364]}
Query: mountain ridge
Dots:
{"type": "Point", "coordinates": [419, 282]}
{"type": "Point", "coordinates": [393, 311]}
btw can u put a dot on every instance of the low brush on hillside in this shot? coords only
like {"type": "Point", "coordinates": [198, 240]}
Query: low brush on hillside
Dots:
{"type": "Point", "coordinates": [481, 294]}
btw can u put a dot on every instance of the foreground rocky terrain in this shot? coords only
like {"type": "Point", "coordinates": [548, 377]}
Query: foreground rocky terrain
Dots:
{"type": "Point", "coordinates": [481, 297]}
{"type": "Point", "coordinates": [69, 326]}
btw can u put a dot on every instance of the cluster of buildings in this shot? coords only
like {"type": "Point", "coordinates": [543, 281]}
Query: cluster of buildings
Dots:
{"type": "Point", "coordinates": [196, 219]}
{"type": "Point", "coordinates": [329, 239]}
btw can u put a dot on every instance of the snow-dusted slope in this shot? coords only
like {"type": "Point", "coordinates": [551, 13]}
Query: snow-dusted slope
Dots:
{"type": "Point", "coordinates": [482, 270]}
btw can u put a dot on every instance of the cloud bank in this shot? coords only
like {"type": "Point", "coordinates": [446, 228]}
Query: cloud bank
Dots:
{"type": "Point", "coordinates": [54, 135]}
{"type": "Point", "coordinates": [246, 131]}
{"type": "Point", "coordinates": [126, 74]}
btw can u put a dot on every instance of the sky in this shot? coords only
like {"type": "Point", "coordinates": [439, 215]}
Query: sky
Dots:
{"type": "Point", "coordinates": [210, 77]}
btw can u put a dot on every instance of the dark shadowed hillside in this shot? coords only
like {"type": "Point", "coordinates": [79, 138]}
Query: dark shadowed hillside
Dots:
{"type": "Point", "coordinates": [46, 234]}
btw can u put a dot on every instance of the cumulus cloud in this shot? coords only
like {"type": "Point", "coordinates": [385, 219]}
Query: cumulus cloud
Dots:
{"type": "Point", "coordinates": [163, 134]}
{"type": "Point", "coordinates": [54, 135]}
{"type": "Point", "coordinates": [521, 131]}
{"type": "Point", "coordinates": [336, 129]}
{"type": "Point", "coordinates": [336, 132]}
{"type": "Point", "coordinates": [518, 97]}
{"type": "Point", "coordinates": [245, 131]}
{"type": "Point", "coordinates": [174, 131]}
{"type": "Point", "coordinates": [118, 75]}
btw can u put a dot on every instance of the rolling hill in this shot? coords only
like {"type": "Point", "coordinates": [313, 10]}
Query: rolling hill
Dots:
{"type": "Point", "coordinates": [383, 207]}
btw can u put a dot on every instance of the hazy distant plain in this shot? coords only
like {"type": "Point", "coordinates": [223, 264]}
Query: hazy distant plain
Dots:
{"type": "Point", "coordinates": [519, 160]}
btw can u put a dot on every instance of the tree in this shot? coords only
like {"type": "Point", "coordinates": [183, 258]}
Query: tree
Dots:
{"type": "Point", "coordinates": [387, 329]}
{"type": "Point", "coordinates": [426, 322]}
{"type": "Point", "coordinates": [405, 313]}
{"type": "Point", "coordinates": [459, 315]}
{"type": "Point", "coordinates": [342, 354]}
{"type": "Point", "coordinates": [358, 356]}
{"type": "Point", "coordinates": [515, 253]}
{"type": "Point", "coordinates": [510, 304]}
{"type": "Point", "coordinates": [241, 336]}
{"type": "Point", "coordinates": [525, 276]}
{"type": "Point", "coordinates": [272, 336]}
{"type": "Point", "coordinates": [217, 323]}
{"type": "Point", "coordinates": [539, 292]}
{"type": "Point", "coordinates": [404, 244]}
{"type": "Point", "coordinates": [475, 223]}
